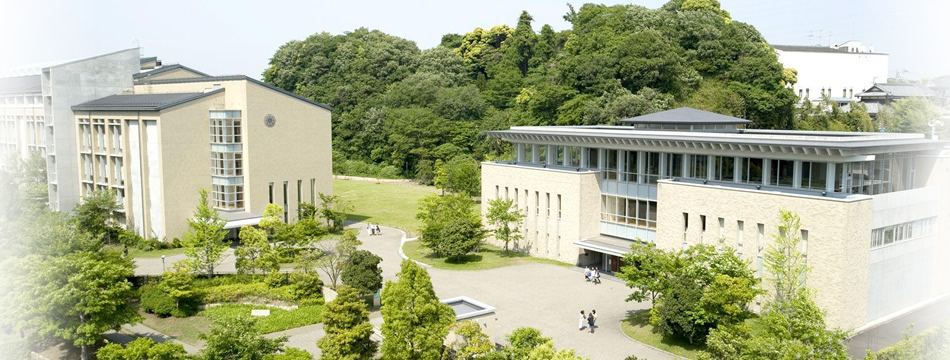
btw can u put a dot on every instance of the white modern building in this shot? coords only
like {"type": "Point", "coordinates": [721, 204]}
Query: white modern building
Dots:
{"type": "Point", "coordinates": [875, 207]}
{"type": "Point", "coordinates": [840, 71]}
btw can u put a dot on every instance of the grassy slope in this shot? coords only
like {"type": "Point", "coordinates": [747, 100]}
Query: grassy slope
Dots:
{"type": "Point", "coordinates": [490, 257]}
{"type": "Point", "coordinates": [387, 204]}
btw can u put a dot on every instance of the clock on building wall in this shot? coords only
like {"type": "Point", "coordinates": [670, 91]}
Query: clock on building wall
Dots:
{"type": "Point", "coordinates": [269, 120]}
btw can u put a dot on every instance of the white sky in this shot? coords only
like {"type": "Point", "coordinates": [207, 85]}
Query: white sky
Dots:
{"type": "Point", "coordinates": [238, 36]}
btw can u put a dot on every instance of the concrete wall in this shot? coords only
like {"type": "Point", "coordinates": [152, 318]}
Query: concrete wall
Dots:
{"type": "Point", "coordinates": [838, 237]}
{"type": "Point", "coordinates": [186, 164]}
{"type": "Point", "coordinates": [69, 84]}
{"type": "Point", "coordinates": [545, 236]}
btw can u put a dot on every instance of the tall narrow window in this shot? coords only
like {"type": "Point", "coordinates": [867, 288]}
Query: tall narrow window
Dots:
{"type": "Point", "coordinates": [285, 202]}
{"type": "Point", "coordinates": [270, 190]}
{"type": "Point", "coordinates": [559, 207]}
{"type": "Point", "coordinates": [299, 187]}
{"type": "Point", "coordinates": [313, 191]}
{"type": "Point", "coordinates": [740, 229]}
{"type": "Point", "coordinates": [516, 198]}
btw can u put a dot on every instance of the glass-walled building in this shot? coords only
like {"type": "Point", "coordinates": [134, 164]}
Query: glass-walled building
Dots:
{"type": "Point", "coordinates": [868, 201]}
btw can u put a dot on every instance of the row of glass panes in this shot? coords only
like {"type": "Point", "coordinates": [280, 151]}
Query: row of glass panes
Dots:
{"type": "Point", "coordinates": [634, 212]}
{"type": "Point", "coordinates": [226, 131]}
{"type": "Point", "coordinates": [22, 100]}
{"type": "Point", "coordinates": [102, 162]}
{"type": "Point", "coordinates": [684, 127]}
{"type": "Point", "coordinates": [228, 197]}
{"type": "Point", "coordinates": [886, 174]}
{"type": "Point", "coordinates": [227, 164]}
{"type": "Point", "coordinates": [901, 232]}
{"type": "Point", "coordinates": [115, 131]}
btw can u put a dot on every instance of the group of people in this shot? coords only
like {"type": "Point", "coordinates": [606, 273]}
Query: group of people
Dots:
{"type": "Point", "coordinates": [588, 321]}
{"type": "Point", "coordinates": [373, 229]}
{"type": "Point", "coordinates": [592, 275]}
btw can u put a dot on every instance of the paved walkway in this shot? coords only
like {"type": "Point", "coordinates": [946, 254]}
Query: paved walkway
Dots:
{"type": "Point", "coordinates": [153, 266]}
{"type": "Point", "coordinates": [891, 332]}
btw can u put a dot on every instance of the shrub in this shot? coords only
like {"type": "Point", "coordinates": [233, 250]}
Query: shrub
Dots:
{"type": "Point", "coordinates": [290, 354]}
{"type": "Point", "coordinates": [933, 343]}
{"type": "Point", "coordinates": [240, 292]}
{"type": "Point", "coordinates": [275, 279]}
{"type": "Point", "coordinates": [306, 286]}
{"type": "Point", "coordinates": [155, 301]}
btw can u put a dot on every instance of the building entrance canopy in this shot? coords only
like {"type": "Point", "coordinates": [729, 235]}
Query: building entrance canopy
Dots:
{"type": "Point", "coordinates": [606, 244]}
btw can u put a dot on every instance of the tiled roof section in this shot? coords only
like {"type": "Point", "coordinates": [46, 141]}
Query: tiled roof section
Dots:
{"type": "Point", "coordinates": [898, 90]}
{"type": "Point", "coordinates": [21, 85]}
{"type": "Point", "coordinates": [167, 68]}
{"type": "Point", "coordinates": [685, 115]}
{"type": "Point", "coordinates": [821, 49]}
{"type": "Point", "coordinates": [232, 78]}
{"type": "Point", "coordinates": [141, 102]}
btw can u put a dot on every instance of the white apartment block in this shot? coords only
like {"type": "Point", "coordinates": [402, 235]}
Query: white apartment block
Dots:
{"type": "Point", "coordinates": [840, 72]}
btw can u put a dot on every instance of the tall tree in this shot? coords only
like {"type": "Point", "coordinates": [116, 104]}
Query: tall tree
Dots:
{"type": "Point", "coordinates": [346, 323]}
{"type": "Point", "coordinates": [784, 260]}
{"type": "Point", "coordinates": [522, 42]}
{"type": "Point", "coordinates": [334, 255]}
{"type": "Point", "coordinates": [333, 209]}
{"type": "Point", "coordinates": [470, 342]}
{"type": "Point", "coordinates": [362, 272]}
{"type": "Point", "coordinates": [415, 323]}
{"type": "Point", "coordinates": [450, 227]}
{"type": "Point", "coordinates": [646, 271]}
{"type": "Point", "coordinates": [255, 252]}
{"type": "Point", "coordinates": [459, 175]}
{"type": "Point", "coordinates": [204, 242]}
{"type": "Point", "coordinates": [80, 295]}
{"type": "Point", "coordinates": [505, 219]}
{"type": "Point", "coordinates": [97, 215]}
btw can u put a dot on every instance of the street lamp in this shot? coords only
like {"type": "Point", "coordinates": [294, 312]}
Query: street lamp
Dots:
{"type": "Point", "coordinates": [934, 124]}
{"type": "Point", "coordinates": [163, 263]}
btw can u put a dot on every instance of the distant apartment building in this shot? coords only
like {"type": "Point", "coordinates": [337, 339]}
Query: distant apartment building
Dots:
{"type": "Point", "coordinates": [35, 115]}
{"type": "Point", "coordinates": [180, 130]}
{"type": "Point", "coordinates": [840, 72]}
{"type": "Point", "coordinates": [875, 207]}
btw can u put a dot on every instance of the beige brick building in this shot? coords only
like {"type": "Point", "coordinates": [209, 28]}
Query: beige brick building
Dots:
{"type": "Point", "coordinates": [875, 207]}
{"type": "Point", "coordinates": [180, 130]}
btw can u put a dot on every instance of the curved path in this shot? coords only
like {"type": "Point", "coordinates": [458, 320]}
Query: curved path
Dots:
{"type": "Point", "coordinates": [547, 297]}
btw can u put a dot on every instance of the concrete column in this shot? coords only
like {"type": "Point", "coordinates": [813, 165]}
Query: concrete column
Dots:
{"type": "Point", "coordinates": [567, 156]}
{"type": "Point", "coordinates": [766, 171]}
{"type": "Point", "coordinates": [519, 153]}
{"type": "Point", "coordinates": [551, 157]}
{"type": "Point", "coordinates": [830, 178]}
{"type": "Point", "coordinates": [797, 174]}
{"type": "Point", "coordinates": [710, 167]}
{"type": "Point", "coordinates": [641, 166]}
{"type": "Point", "coordinates": [535, 153]}
{"type": "Point", "coordinates": [736, 169]}
{"type": "Point", "coordinates": [601, 161]}
{"type": "Point", "coordinates": [584, 157]}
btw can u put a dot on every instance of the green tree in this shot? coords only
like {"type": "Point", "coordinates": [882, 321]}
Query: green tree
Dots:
{"type": "Point", "coordinates": [646, 271]}
{"type": "Point", "coordinates": [346, 323]}
{"type": "Point", "coordinates": [204, 242]}
{"type": "Point", "coordinates": [415, 323]}
{"type": "Point", "coordinates": [272, 219]}
{"type": "Point", "coordinates": [449, 225]}
{"type": "Point", "coordinates": [459, 175]}
{"type": "Point", "coordinates": [505, 219]}
{"type": "Point", "coordinates": [238, 338]}
{"type": "Point", "coordinates": [333, 208]}
{"type": "Point", "coordinates": [179, 285]}
{"type": "Point", "coordinates": [78, 296]}
{"type": "Point", "coordinates": [786, 264]}
{"type": "Point", "coordinates": [143, 348]}
{"type": "Point", "coordinates": [97, 215]}
{"type": "Point", "coordinates": [522, 341]}
{"type": "Point", "coordinates": [547, 351]}
{"type": "Point", "coordinates": [911, 115]}
{"type": "Point", "coordinates": [334, 255]}
{"type": "Point", "coordinates": [706, 288]}
{"type": "Point", "coordinates": [362, 272]}
{"type": "Point", "coordinates": [470, 342]}
{"type": "Point", "coordinates": [255, 252]}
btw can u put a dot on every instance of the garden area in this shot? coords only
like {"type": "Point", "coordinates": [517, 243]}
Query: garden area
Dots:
{"type": "Point", "coordinates": [487, 257]}
{"type": "Point", "coordinates": [389, 204]}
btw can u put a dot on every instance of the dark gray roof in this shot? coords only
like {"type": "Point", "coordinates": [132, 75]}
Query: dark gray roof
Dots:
{"type": "Point", "coordinates": [167, 68]}
{"type": "Point", "coordinates": [141, 102]}
{"type": "Point", "coordinates": [685, 116]}
{"type": "Point", "coordinates": [232, 78]}
{"type": "Point", "coordinates": [20, 85]}
{"type": "Point", "coordinates": [897, 90]}
{"type": "Point", "coordinates": [819, 49]}
{"type": "Point", "coordinates": [148, 59]}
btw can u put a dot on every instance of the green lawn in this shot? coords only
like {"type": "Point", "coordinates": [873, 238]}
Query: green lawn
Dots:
{"type": "Point", "coordinates": [188, 329]}
{"type": "Point", "coordinates": [638, 327]}
{"type": "Point", "coordinates": [387, 204]}
{"type": "Point", "coordinates": [490, 257]}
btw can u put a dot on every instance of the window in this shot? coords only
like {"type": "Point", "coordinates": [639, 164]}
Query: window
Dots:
{"type": "Point", "coordinates": [542, 154]}
{"type": "Point", "coordinates": [497, 192]}
{"type": "Point", "coordinates": [808, 93]}
{"type": "Point", "coordinates": [750, 170]}
{"type": "Point", "coordinates": [270, 190]}
{"type": "Point", "coordinates": [547, 205]}
{"type": "Point", "coordinates": [226, 164]}
{"type": "Point", "coordinates": [723, 168]}
{"type": "Point", "coordinates": [528, 150]}
{"type": "Point", "coordinates": [702, 222]}
{"type": "Point", "coordinates": [781, 173]}
{"type": "Point", "coordinates": [674, 165]}
{"type": "Point", "coordinates": [698, 165]}
{"type": "Point", "coordinates": [285, 202]}
{"type": "Point", "coordinates": [902, 232]}
{"type": "Point", "coordinates": [313, 191]}
{"type": "Point", "coordinates": [299, 186]}
{"type": "Point", "coordinates": [633, 212]}
{"type": "Point", "coordinates": [574, 156]}
{"type": "Point", "coordinates": [593, 158]}
{"type": "Point", "coordinates": [652, 167]}
{"type": "Point", "coordinates": [506, 193]}
{"type": "Point", "coordinates": [228, 197]}
{"type": "Point", "coordinates": [559, 207]}
{"type": "Point", "coordinates": [610, 164]}
{"type": "Point", "coordinates": [630, 162]}
{"type": "Point", "coordinates": [814, 175]}
{"type": "Point", "coordinates": [225, 126]}
{"type": "Point", "coordinates": [537, 203]}
{"type": "Point", "coordinates": [560, 155]}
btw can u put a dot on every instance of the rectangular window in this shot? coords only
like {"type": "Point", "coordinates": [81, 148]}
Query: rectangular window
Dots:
{"type": "Point", "coordinates": [228, 197]}
{"type": "Point", "coordinates": [547, 205]}
{"type": "Point", "coordinates": [560, 155]}
{"type": "Point", "coordinates": [781, 173]}
{"type": "Point", "coordinates": [630, 171]}
{"type": "Point", "coordinates": [227, 164]}
{"type": "Point", "coordinates": [558, 207]}
{"type": "Point", "coordinates": [652, 167]}
{"type": "Point", "coordinates": [299, 187]}
{"type": "Point", "coordinates": [285, 202]}
{"type": "Point", "coordinates": [516, 198]}
{"type": "Point", "coordinates": [902, 232]}
{"type": "Point", "coordinates": [723, 168]}
{"type": "Point", "coordinates": [610, 164]}
{"type": "Point", "coordinates": [528, 149]}
{"type": "Point", "coordinates": [270, 199]}
{"type": "Point", "coordinates": [674, 165]}
{"type": "Point", "coordinates": [497, 192]}
{"type": "Point", "coordinates": [698, 165]}
{"type": "Point", "coordinates": [542, 154]}
{"type": "Point", "coordinates": [750, 171]}
{"type": "Point", "coordinates": [537, 203]}
{"type": "Point", "coordinates": [575, 156]}
{"type": "Point", "coordinates": [702, 222]}
{"type": "Point", "coordinates": [313, 191]}
{"type": "Point", "coordinates": [225, 126]}
{"type": "Point", "coordinates": [593, 158]}
{"type": "Point", "coordinates": [506, 193]}
{"type": "Point", "coordinates": [634, 212]}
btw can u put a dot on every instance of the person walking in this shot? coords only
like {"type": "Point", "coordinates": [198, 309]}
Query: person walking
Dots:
{"type": "Point", "coordinates": [369, 229]}
{"type": "Point", "coordinates": [583, 321]}
{"type": "Point", "coordinates": [595, 276]}
{"type": "Point", "coordinates": [586, 273]}
{"type": "Point", "coordinates": [378, 230]}
{"type": "Point", "coordinates": [590, 321]}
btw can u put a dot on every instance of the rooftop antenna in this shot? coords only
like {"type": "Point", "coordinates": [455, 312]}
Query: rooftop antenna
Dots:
{"type": "Point", "coordinates": [811, 37]}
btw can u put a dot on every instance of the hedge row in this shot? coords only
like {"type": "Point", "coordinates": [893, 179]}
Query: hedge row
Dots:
{"type": "Point", "coordinates": [933, 343]}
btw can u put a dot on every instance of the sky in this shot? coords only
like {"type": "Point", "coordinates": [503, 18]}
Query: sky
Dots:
{"type": "Point", "coordinates": [239, 37]}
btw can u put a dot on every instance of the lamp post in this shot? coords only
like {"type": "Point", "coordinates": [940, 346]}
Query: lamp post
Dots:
{"type": "Point", "coordinates": [934, 124]}
{"type": "Point", "coordinates": [163, 263]}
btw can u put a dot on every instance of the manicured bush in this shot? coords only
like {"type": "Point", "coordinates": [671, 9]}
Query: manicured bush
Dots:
{"type": "Point", "coordinates": [306, 287]}
{"type": "Point", "coordinates": [278, 320]}
{"type": "Point", "coordinates": [275, 279]}
{"type": "Point", "coordinates": [291, 354]}
{"type": "Point", "coordinates": [244, 292]}
{"type": "Point", "coordinates": [155, 301]}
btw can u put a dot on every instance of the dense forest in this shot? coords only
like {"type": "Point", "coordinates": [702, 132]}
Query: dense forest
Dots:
{"type": "Point", "coordinates": [399, 111]}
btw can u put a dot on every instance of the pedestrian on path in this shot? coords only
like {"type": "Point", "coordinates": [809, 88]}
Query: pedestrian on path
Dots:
{"type": "Point", "coordinates": [590, 321]}
{"type": "Point", "coordinates": [583, 322]}
{"type": "Point", "coordinates": [587, 273]}
{"type": "Point", "coordinates": [595, 276]}
{"type": "Point", "coordinates": [378, 231]}
{"type": "Point", "coordinates": [369, 229]}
